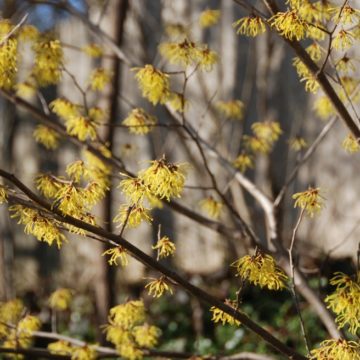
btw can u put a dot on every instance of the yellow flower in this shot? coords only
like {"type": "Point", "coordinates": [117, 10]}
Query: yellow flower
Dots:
{"type": "Point", "coordinates": [134, 189]}
{"type": "Point", "coordinates": [345, 301]}
{"type": "Point", "coordinates": [21, 335]}
{"type": "Point", "coordinates": [243, 162]}
{"type": "Point", "coordinates": [41, 227]}
{"type": "Point", "coordinates": [93, 50]}
{"type": "Point", "coordinates": [297, 143]}
{"type": "Point", "coordinates": [48, 61]}
{"type": "Point", "coordinates": [60, 347]}
{"type": "Point", "coordinates": [211, 207]}
{"type": "Point", "coordinates": [146, 335]}
{"type": "Point", "coordinates": [233, 109]}
{"type": "Point", "coordinates": [223, 317]}
{"type": "Point", "coordinates": [177, 102]}
{"type": "Point", "coordinates": [345, 64]}
{"type": "Point", "coordinates": [130, 351]}
{"type": "Point", "coordinates": [48, 185]}
{"type": "Point", "coordinates": [139, 122]}
{"type": "Point", "coordinates": [28, 325]}
{"type": "Point", "coordinates": [10, 314]}
{"type": "Point", "coordinates": [99, 78]}
{"type": "Point", "coordinates": [157, 287]}
{"type": "Point", "coordinates": [94, 192]}
{"type": "Point", "coordinates": [70, 199]}
{"type": "Point", "coordinates": [268, 131]}
{"type": "Point", "coordinates": [8, 63]}
{"type": "Point", "coordinates": [128, 314]}
{"type": "Point", "coordinates": [165, 247]}
{"type": "Point", "coordinates": [132, 215]}
{"type": "Point", "coordinates": [323, 107]}
{"type": "Point", "coordinates": [81, 127]}
{"type": "Point", "coordinates": [343, 40]}
{"type": "Point", "coordinates": [336, 349]}
{"type": "Point", "coordinates": [206, 58]}
{"type": "Point", "coordinates": [26, 90]}
{"type": "Point", "coordinates": [64, 108]}
{"type": "Point", "coordinates": [76, 170]}
{"type": "Point", "coordinates": [250, 26]}
{"type": "Point", "coordinates": [5, 28]}
{"type": "Point", "coordinates": [313, 12]}
{"type": "Point", "coordinates": [61, 299]}
{"type": "Point", "coordinates": [97, 114]}
{"type": "Point", "coordinates": [306, 76]}
{"type": "Point", "coordinates": [83, 353]}
{"type": "Point", "coordinates": [153, 83]}
{"type": "Point", "coordinates": [260, 269]}
{"type": "Point", "coordinates": [187, 53]}
{"type": "Point", "coordinates": [176, 30]}
{"type": "Point", "coordinates": [309, 200]}
{"type": "Point", "coordinates": [350, 144]}
{"type": "Point", "coordinates": [164, 179]}
{"type": "Point", "coordinates": [28, 32]}
{"type": "Point", "coordinates": [209, 18]}
{"type": "Point", "coordinates": [117, 253]}
{"type": "Point", "coordinates": [289, 25]}
{"type": "Point", "coordinates": [3, 194]}
{"type": "Point", "coordinates": [346, 15]}
{"type": "Point", "coordinates": [184, 53]}
{"type": "Point", "coordinates": [314, 50]}
{"type": "Point", "coordinates": [256, 145]}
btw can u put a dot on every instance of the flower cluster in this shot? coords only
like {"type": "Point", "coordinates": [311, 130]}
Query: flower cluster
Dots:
{"type": "Point", "coordinates": [93, 50]}
{"type": "Point", "coordinates": [71, 198]}
{"type": "Point", "coordinates": [76, 352]}
{"type": "Point", "coordinates": [243, 162]}
{"type": "Point", "coordinates": [309, 200]}
{"type": "Point", "coordinates": [260, 269]}
{"type": "Point", "coordinates": [265, 134]}
{"type": "Point", "coordinates": [297, 143]}
{"type": "Point", "coordinates": [188, 53]}
{"type": "Point", "coordinates": [153, 83]}
{"type": "Point", "coordinates": [78, 124]}
{"type": "Point", "coordinates": [250, 26]}
{"type": "Point", "coordinates": [61, 299]}
{"type": "Point", "coordinates": [209, 18]}
{"type": "Point", "coordinates": [336, 350]}
{"type": "Point", "coordinates": [16, 327]}
{"type": "Point", "coordinates": [345, 301]}
{"type": "Point", "coordinates": [3, 194]}
{"type": "Point", "coordinates": [289, 24]}
{"type": "Point", "coordinates": [43, 228]}
{"type": "Point", "coordinates": [116, 253]}
{"type": "Point", "coordinates": [49, 61]}
{"type": "Point", "coordinates": [162, 180]}
{"type": "Point", "coordinates": [139, 122]}
{"type": "Point", "coordinates": [128, 330]}
{"type": "Point", "coordinates": [157, 287]}
{"type": "Point", "coordinates": [211, 207]}
{"type": "Point", "coordinates": [99, 78]}
{"type": "Point", "coordinates": [46, 136]}
{"type": "Point", "coordinates": [165, 247]}
{"type": "Point", "coordinates": [223, 317]}
{"type": "Point", "coordinates": [233, 109]}
{"type": "Point", "coordinates": [350, 144]}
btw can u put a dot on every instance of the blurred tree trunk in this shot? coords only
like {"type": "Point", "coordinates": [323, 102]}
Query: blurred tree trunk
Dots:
{"type": "Point", "coordinates": [120, 10]}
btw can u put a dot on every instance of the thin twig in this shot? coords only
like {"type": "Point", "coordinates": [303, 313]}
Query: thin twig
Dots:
{"type": "Point", "coordinates": [293, 286]}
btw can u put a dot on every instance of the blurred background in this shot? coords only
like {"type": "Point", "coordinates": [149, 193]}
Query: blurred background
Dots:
{"type": "Point", "coordinates": [257, 71]}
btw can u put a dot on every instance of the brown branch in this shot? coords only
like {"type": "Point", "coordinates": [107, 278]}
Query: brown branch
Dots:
{"type": "Point", "coordinates": [153, 264]}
